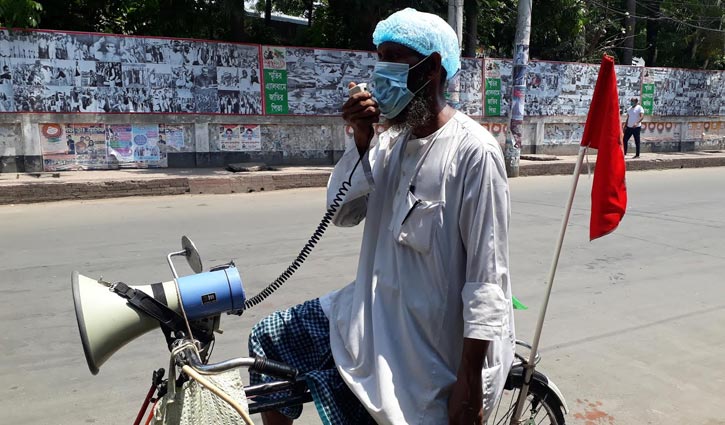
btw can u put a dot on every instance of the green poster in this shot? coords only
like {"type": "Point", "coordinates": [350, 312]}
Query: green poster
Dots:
{"type": "Point", "coordinates": [493, 97]}
{"type": "Point", "coordinates": [275, 91]}
{"type": "Point", "coordinates": [648, 97]}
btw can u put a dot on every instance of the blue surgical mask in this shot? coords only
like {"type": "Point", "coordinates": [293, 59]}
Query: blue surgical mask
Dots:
{"type": "Point", "coordinates": [390, 87]}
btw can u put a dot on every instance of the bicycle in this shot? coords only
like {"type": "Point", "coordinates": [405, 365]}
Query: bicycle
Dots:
{"type": "Point", "coordinates": [189, 325]}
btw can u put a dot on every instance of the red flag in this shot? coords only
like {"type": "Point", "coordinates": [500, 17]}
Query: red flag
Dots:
{"type": "Point", "coordinates": [603, 131]}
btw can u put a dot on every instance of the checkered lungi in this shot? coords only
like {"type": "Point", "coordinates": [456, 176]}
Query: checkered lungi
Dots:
{"type": "Point", "coordinates": [300, 337]}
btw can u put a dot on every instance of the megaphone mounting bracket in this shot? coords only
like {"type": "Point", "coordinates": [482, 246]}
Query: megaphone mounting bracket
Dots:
{"type": "Point", "coordinates": [169, 320]}
{"type": "Point", "coordinates": [171, 263]}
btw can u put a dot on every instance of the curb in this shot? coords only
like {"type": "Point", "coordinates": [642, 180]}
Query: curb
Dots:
{"type": "Point", "coordinates": [32, 192]}
{"type": "Point", "coordinates": [537, 168]}
{"type": "Point", "coordinates": [60, 191]}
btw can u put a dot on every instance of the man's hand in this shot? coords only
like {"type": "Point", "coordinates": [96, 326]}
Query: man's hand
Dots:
{"type": "Point", "coordinates": [361, 112]}
{"type": "Point", "coordinates": [465, 404]}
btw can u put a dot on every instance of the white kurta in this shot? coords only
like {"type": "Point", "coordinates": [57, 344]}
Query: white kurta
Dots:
{"type": "Point", "coordinates": [433, 269]}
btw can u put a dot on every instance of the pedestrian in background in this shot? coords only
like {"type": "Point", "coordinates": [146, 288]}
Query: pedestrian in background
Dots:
{"type": "Point", "coordinates": [635, 115]}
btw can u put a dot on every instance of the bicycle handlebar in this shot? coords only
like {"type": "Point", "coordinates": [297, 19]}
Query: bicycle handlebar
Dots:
{"type": "Point", "coordinates": [257, 364]}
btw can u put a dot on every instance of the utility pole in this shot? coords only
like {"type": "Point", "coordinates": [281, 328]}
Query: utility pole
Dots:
{"type": "Point", "coordinates": [455, 19]}
{"type": "Point", "coordinates": [629, 24]}
{"type": "Point", "coordinates": [514, 135]}
{"type": "Point", "coordinates": [471, 42]}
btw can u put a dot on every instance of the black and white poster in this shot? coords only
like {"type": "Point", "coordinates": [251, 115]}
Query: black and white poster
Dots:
{"type": "Point", "coordinates": [206, 99]}
{"type": "Point", "coordinates": [108, 74]}
{"type": "Point", "coordinates": [5, 44]}
{"type": "Point", "coordinates": [329, 93]}
{"type": "Point", "coordinates": [228, 101]}
{"type": "Point", "coordinates": [205, 77]}
{"type": "Point", "coordinates": [183, 101]}
{"type": "Point", "coordinates": [629, 83]}
{"type": "Point", "coordinates": [301, 80]}
{"type": "Point", "coordinates": [7, 98]}
{"type": "Point", "coordinates": [160, 76]}
{"type": "Point", "coordinates": [133, 50]}
{"type": "Point", "coordinates": [59, 72]}
{"type": "Point", "coordinates": [716, 93]}
{"type": "Point", "coordinates": [467, 95]}
{"type": "Point", "coordinates": [162, 100]}
{"type": "Point", "coordinates": [134, 75]}
{"type": "Point", "coordinates": [84, 99]}
{"type": "Point", "coordinates": [680, 92]}
{"type": "Point", "coordinates": [156, 51]}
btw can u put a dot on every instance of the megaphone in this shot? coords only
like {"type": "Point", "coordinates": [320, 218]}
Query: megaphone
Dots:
{"type": "Point", "coordinates": [107, 322]}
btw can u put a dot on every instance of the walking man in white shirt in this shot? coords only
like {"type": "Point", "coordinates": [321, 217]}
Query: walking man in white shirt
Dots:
{"type": "Point", "coordinates": [635, 115]}
{"type": "Point", "coordinates": [425, 333]}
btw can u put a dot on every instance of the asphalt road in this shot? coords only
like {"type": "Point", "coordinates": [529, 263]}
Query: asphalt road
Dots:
{"type": "Point", "coordinates": [635, 332]}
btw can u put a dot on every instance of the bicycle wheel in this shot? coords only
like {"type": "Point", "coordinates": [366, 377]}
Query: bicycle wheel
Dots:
{"type": "Point", "coordinates": [542, 406]}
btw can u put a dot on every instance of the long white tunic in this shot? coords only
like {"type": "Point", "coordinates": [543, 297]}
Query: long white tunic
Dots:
{"type": "Point", "coordinates": [433, 269]}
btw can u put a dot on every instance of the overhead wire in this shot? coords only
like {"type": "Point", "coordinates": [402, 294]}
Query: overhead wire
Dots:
{"type": "Point", "coordinates": [662, 16]}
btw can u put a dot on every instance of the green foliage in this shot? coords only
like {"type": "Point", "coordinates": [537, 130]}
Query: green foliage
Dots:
{"type": "Point", "coordinates": [19, 13]}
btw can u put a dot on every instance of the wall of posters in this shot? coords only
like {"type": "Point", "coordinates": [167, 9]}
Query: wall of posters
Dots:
{"type": "Point", "coordinates": [57, 72]}
{"type": "Point", "coordinates": [66, 73]}
{"type": "Point", "coordinates": [101, 146]}
{"type": "Point", "coordinates": [559, 88]}
{"type": "Point", "coordinates": [74, 146]}
{"type": "Point", "coordinates": [684, 92]}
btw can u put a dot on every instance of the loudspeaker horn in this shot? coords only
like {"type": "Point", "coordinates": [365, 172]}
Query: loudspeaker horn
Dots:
{"type": "Point", "coordinates": [106, 322]}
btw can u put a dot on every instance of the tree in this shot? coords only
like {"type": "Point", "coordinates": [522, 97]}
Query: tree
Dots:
{"type": "Point", "coordinates": [20, 13]}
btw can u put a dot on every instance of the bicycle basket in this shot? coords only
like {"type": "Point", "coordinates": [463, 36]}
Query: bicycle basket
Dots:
{"type": "Point", "coordinates": [195, 405]}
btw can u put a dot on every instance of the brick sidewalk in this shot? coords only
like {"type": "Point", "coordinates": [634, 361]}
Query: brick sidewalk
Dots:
{"type": "Point", "coordinates": [43, 187]}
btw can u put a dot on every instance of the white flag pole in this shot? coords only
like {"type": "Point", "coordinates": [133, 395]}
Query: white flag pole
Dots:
{"type": "Point", "coordinates": [529, 367]}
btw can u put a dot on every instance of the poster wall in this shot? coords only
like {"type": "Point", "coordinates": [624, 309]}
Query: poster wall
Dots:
{"type": "Point", "coordinates": [58, 72]}
{"type": "Point", "coordinates": [312, 81]}
{"type": "Point", "coordinates": [101, 146]}
{"type": "Point", "coordinates": [555, 88]}
{"type": "Point", "coordinates": [73, 73]}
{"type": "Point", "coordinates": [684, 92]}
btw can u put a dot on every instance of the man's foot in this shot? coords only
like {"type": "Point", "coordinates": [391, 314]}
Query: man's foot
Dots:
{"type": "Point", "coordinates": [636, 156]}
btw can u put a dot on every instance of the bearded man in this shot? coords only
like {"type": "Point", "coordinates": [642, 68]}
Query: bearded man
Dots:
{"type": "Point", "coordinates": [425, 333]}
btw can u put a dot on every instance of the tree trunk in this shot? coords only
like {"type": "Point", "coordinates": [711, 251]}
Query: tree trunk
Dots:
{"type": "Point", "coordinates": [310, 11]}
{"type": "Point", "coordinates": [236, 22]}
{"type": "Point", "coordinates": [653, 27]}
{"type": "Point", "coordinates": [471, 33]}
{"type": "Point", "coordinates": [268, 12]}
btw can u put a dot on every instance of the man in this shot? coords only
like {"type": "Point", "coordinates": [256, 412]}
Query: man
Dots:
{"type": "Point", "coordinates": [203, 80]}
{"type": "Point", "coordinates": [6, 77]}
{"type": "Point", "coordinates": [71, 144]}
{"type": "Point", "coordinates": [635, 115]}
{"type": "Point", "coordinates": [425, 333]}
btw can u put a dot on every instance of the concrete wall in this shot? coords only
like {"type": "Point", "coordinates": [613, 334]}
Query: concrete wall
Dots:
{"type": "Point", "coordinates": [291, 140]}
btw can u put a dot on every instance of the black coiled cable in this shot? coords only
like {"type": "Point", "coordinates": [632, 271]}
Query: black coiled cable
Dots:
{"type": "Point", "coordinates": [314, 239]}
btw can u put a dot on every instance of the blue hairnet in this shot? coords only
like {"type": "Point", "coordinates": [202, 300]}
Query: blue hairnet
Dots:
{"type": "Point", "coordinates": [423, 32]}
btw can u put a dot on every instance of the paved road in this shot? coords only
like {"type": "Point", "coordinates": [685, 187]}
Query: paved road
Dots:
{"type": "Point", "coordinates": [635, 334]}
